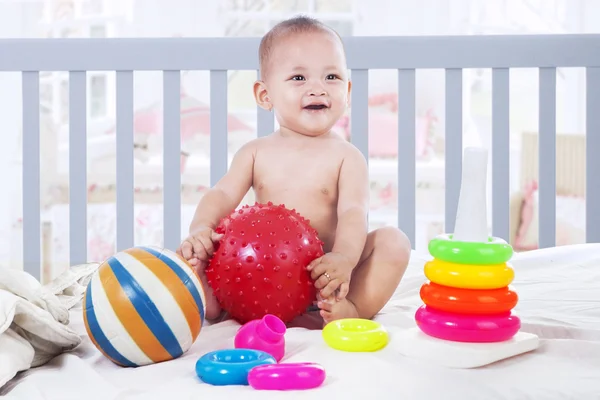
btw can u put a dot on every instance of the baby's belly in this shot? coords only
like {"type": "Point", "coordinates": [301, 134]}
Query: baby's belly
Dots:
{"type": "Point", "coordinates": [322, 214]}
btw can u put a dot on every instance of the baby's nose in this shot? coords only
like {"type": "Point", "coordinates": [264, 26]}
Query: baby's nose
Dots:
{"type": "Point", "coordinates": [317, 91]}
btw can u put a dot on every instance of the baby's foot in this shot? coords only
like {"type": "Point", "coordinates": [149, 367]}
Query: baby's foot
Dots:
{"type": "Point", "coordinates": [332, 310]}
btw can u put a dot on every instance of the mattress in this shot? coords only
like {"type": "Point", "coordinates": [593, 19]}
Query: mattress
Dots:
{"type": "Point", "coordinates": [559, 291]}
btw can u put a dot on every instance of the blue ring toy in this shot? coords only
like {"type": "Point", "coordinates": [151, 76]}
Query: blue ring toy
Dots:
{"type": "Point", "coordinates": [230, 366]}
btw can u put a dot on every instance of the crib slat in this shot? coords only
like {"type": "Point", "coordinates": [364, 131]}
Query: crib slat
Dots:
{"type": "Point", "coordinates": [172, 159]}
{"type": "Point", "coordinates": [359, 115]}
{"type": "Point", "coordinates": [547, 157]}
{"type": "Point", "coordinates": [500, 153]}
{"type": "Point", "coordinates": [265, 120]}
{"type": "Point", "coordinates": [218, 126]}
{"type": "Point", "coordinates": [592, 149]}
{"type": "Point", "coordinates": [125, 165]}
{"type": "Point", "coordinates": [77, 168]}
{"type": "Point", "coordinates": [32, 253]}
{"type": "Point", "coordinates": [454, 144]}
{"type": "Point", "coordinates": [406, 153]}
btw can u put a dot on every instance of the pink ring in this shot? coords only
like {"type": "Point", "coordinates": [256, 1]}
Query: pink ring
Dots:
{"type": "Point", "coordinates": [467, 328]}
{"type": "Point", "coordinates": [286, 376]}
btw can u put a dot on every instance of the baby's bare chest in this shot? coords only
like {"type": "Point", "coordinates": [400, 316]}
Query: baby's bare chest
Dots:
{"type": "Point", "coordinates": [297, 173]}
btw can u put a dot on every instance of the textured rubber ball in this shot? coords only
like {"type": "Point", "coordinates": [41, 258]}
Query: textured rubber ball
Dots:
{"type": "Point", "coordinates": [260, 264]}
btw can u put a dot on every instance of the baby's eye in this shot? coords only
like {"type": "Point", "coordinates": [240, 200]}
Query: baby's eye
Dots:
{"type": "Point", "coordinates": [332, 76]}
{"type": "Point", "coordinates": [297, 78]}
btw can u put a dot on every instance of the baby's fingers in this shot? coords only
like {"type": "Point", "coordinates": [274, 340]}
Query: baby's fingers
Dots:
{"type": "Point", "coordinates": [330, 288]}
{"type": "Point", "coordinates": [199, 250]}
{"type": "Point", "coordinates": [216, 236]}
{"type": "Point", "coordinates": [325, 305]}
{"type": "Point", "coordinates": [343, 292]}
{"type": "Point", "coordinates": [186, 250]}
{"type": "Point", "coordinates": [207, 246]}
{"type": "Point", "coordinates": [317, 268]}
{"type": "Point", "coordinates": [322, 281]}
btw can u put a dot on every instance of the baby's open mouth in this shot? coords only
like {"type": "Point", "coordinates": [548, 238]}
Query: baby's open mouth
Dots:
{"type": "Point", "coordinates": [315, 107]}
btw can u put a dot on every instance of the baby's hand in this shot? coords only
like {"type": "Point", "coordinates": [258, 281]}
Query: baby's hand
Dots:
{"type": "Point", "coordinates": [332, 272]}
{"type": "Point", "coordinates": [199, 246]}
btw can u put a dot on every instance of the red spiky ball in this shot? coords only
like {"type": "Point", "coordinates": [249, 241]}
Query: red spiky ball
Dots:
{"type": "Point", "coordinates": [259, 266]}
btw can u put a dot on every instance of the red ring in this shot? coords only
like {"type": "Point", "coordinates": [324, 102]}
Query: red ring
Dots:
{"type": "Point", "coordinates": [468, 301]}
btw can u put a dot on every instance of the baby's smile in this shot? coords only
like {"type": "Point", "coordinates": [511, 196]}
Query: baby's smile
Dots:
{"type": "Point", "coordinates": [316, 106]}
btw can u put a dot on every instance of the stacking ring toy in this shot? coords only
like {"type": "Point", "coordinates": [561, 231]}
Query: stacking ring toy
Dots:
{"type": "Point", "coordinates": [469, 276]}
{"type": "Point", "coordinates": [355, 335]}
{"type": "Point", "coordinates": [289, 376]}
{"type": "Point", "coordinates": [230, 366]}
{"type": "Point", "coordinates": [467, 328]}
{"type": "Point", "coordinates": [468, 301]}
{"type": "Point", "coordinates": [494, 251]}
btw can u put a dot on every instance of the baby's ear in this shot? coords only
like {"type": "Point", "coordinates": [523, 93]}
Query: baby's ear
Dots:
{"type": "Point", "coordinates": [349, 93]}
{"type": "Point", "coordinates": [261, 96]}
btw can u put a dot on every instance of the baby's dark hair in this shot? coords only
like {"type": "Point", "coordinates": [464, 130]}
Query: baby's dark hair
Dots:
{"type": "Point", "coordinates": [295, 25]}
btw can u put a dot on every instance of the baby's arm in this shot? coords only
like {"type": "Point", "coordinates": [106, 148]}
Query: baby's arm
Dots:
{"type": "Point", "coordinates": [353, 206]}
{"type": "Point", "coordinates": [229, 191]}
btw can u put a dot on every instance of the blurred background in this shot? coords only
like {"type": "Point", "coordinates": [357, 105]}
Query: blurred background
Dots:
{"type": "Point", "coordinates": [238, 18]}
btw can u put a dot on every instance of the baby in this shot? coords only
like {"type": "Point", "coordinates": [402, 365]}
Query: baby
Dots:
{"type": "Point", "coordinates": [304, 81]}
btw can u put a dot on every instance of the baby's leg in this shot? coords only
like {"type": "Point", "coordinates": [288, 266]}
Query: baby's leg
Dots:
{"type": "Point", "coordinates": [375, 278]}
{"type": "Point", "coordinates": [213, 309]}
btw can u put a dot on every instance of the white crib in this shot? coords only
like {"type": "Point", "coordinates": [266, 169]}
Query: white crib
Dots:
{"type": "Point", "coordinates": [559, 286]}
{"type": "Point", "coordinates": [404, 54]}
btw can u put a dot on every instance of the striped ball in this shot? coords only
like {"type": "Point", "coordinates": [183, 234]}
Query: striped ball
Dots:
{"type": "Point", "coordinates": [144, 305]}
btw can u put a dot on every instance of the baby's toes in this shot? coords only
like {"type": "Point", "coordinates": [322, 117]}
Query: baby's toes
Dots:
{"type": "Point", "coordinates": [325, 306]}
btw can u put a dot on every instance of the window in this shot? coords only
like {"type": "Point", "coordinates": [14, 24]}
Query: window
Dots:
{"type": "Point", "coordinates": [79, 19]}
{"type": "Point", "coordinates": [98, 96]}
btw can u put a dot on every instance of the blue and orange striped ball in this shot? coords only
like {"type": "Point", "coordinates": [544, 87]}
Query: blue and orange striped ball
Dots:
{"type": "Point", "coordinates": [144, 305]}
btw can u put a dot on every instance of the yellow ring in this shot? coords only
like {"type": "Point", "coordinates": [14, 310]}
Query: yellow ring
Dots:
{"type": "Point", "coordinates": [355, 335]}
{"type": "Point", "coordinates": [468, 276]}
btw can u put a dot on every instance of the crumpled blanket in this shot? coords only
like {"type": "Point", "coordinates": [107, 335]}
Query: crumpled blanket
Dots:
{"type": "Point", "coordinates": [34, 318]}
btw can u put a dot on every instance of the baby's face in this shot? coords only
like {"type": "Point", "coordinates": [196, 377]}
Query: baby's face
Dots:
{"type": "Point", "coordinates": [307, 82]}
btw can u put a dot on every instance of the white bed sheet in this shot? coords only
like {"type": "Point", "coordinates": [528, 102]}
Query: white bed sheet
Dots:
{"type": "Point", "coordinates": [559, 301]}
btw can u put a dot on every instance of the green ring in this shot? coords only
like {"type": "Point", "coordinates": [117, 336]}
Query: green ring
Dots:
{"type": "Point", "coordinates": [494, 251]}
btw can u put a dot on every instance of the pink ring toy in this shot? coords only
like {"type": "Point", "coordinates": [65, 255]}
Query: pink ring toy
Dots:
{"type": "Point", "coordinates": [467, 328]}
{"type": "Point", "coordinates": [286, 376]}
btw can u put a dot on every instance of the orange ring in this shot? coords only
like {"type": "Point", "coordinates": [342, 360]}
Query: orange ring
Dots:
{"type": "Point", "coordinates": [468, 301]}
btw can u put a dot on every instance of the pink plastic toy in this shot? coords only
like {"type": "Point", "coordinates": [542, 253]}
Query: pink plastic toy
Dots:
{"type": "Point", "coordinates": [266, 334]}
{"type": "Point", "coordinates": [291, 376]}
{"type": "Point", "coordinates": [467, 328]}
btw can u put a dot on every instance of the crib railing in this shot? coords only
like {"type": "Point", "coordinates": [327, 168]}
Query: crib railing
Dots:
{"type": "Point", "coordinates": [405, 54]}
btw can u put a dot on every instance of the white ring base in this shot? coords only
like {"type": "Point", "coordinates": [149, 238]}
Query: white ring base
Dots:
{"type": "Point", "coordinates": [416, 344]}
